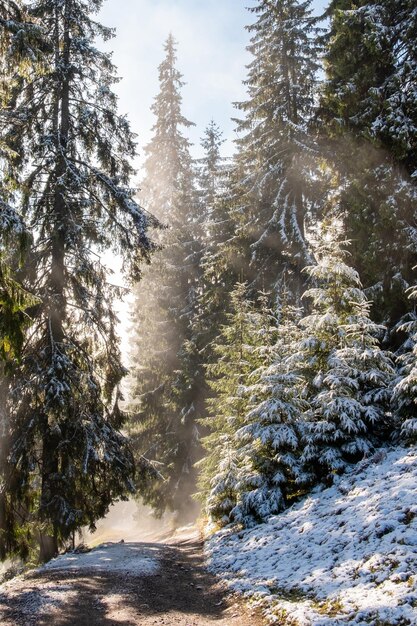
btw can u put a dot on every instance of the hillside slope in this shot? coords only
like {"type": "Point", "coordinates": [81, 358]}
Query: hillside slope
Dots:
{"type": "Point", "coordinates": [345, 555]}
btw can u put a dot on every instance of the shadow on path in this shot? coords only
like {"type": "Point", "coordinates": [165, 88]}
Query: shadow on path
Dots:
{"type": "Point", "coordinates": [182, 592]}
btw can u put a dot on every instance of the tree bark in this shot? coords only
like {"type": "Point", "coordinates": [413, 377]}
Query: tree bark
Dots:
{"type": "Point", "coordinates": [57, 302]}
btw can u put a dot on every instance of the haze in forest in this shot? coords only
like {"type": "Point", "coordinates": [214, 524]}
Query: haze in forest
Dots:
{"type": "Point", "coordinates": [273, 326]}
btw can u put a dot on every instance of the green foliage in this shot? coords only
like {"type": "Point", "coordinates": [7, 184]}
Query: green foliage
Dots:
{"type": "Point", "coordinates": [270, 438]}
{"type": "Point", "coordinates": [238, 351]}
{"type": "Point", "coordinates": [67, 175]}
{"type": "Point", "coordinates": [405, 388]}
{"type": "Point", "coordinates": [347, 375]}
{"type": "Point", "coordinates": [289, 401]}
{"type": "Point", "coordinates": [269, 203]}
{"type": "Point", "coordinates": [14, 301]}
{"type": "Point", "coordinates": [167, 377]}
{"type": "Point", "coordinates": [371, 92]}
{"type": "Point", "coordinates": [367, 115]}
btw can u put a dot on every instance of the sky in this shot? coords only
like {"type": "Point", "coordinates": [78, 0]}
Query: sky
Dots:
{"type": "Point", "coordinates": [212, 56]}
{"type": "Point", "coordinates": [211, 51]}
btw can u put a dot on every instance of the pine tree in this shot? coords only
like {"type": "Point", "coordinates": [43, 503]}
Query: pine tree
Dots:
{"type": "Point", "coordinates": [405, 387]}
{"type": "Point", "coordinates": [347, 374]}
{"type": "Point", "coordinates": [270, 204]}
{"type": "Point", "coordinates": [394, 122]}
{"type": "Point", "coordinates": [368, 113]}
{"type": "Point", "coordinates": [22, 46]}
{"type": "Point", "coordinates": [14, 324]}
{"type": "Point", "coordinates": [372, 93]}
{"type": "Point", "coordinates": [271, 432]}
{"type": "Point", "coordinates": [238, 353]}
{"type": "Point", "coordinates": [68, 459]}
{"type": "Point", "coordinates": [211, 169]}
{"type": "Point", "coordinates": [218, 274]}
{"type": "Point", "coordinates": [167, 373]}
{"type": "Point", "coordinates": [14, 299]}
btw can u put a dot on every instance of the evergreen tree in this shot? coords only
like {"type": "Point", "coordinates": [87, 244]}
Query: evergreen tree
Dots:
{"type": "Point", "coordinates": [22, 46]}
{"type": "Point", "coordinates": [68, 460]}
{"type": "Point", "coordinates": [271, 431]}
{"type": "Point", "coordinates": [368, 113]}
{"type": "Point", "coordinates": [14, 323]}
{"type": "Point", "coordinates": [211, 170]}
{"type": "Point", "coordinates": [405, 387]}
{"type": "Point", "coordinates": [167, 372]}
{"type": "Point", "coordinates": [270, 204]}
{"type": "Point", "coordinates": [14, 300]}
{"type": "Point", "coordinates": [347, 374]}
{"type": "Point", "coordinates": [239, 351]}
{"type": "Point", "coordinates": [372, 93]}
{"type": "Point", "coordinates": [218, 274]}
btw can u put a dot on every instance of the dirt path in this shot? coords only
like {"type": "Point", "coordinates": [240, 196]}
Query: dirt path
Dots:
{"type": "Point", "coordinates": [179, 593]}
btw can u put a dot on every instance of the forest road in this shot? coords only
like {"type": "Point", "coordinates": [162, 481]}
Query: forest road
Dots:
{"type": "Point", "coordinates": [179, 591]}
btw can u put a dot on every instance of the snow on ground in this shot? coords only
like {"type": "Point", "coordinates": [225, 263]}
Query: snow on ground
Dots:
{"type": "Point", "coordinates": [345, 555]}
{"type": "Point", "coordinates": [35, 599]}
{"type": "Point", "coordinates": [108, 557]}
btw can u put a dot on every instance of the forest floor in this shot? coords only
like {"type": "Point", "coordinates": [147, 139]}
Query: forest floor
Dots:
{"type": "Point", "coordinates": [162, 582]}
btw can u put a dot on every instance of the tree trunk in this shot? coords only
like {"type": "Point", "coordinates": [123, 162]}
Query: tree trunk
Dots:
{"type": "Point", "coordinates": [48, 547]}
{"type": "Point", "coordinates": [57, 302]}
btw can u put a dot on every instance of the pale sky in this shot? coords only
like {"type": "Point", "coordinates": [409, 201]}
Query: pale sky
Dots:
{"type": "Point", "coordinates": [212, 55]}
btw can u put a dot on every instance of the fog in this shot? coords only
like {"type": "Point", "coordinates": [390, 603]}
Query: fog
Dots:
{"type": "Point", "coordinates": [129, 521]}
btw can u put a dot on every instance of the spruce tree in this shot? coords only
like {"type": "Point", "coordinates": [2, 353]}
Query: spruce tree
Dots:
{"type": "Point", "coordinates": [167, 373]}
{"type": "Point", "coordinates": [270, 200]}
{"type": "Point", "coordinates": [405, 384]}
{"type": "Point", "coordinates": [347, 375]}
{"type": "Point", "coordinates": [22, 47]}
{"type": "Point", "coordinates": [270, 437]}
{"type": "Point", "coordinates": [238, 352]}
{"type": "Point", "coordinates": [372, 93]}
{"type": "Point", "coordinates": [68, 460]}
{"type": "Point", "coordinates": [218, 274]}
{"type": "Point", "coordinates": [14, 299]}
{"type": "Point", "coordinates": [211, 169]}
{"type": "Point", "coordinates": [15, 320]}
{"type": "Point", "coordinates": [368, 113]}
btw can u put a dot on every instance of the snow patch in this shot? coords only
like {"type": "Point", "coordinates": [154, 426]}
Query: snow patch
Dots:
{"type": "Point", "coordinates": [34, 602]}
{"type": "Point", "coordinates": [37, 597]}
{"type": "Point", "coordinates": [129, 558]}
{"type": "Point", "coordinates": [344, 555]}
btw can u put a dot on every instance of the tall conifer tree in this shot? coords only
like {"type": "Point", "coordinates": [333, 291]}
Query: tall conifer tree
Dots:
{"type": "Point", "coordinates": [70, 150]}
{"type": "Point", "coordinates": [218, 273]}
{"type": "Point", "coordinates": [270, 437]}
{"type": "Point", "coordinates": [270, 203]}
{"type": "Point", "coordinates": [238, 351]}
{"type": "Point", "coordinates": [23, 45]}
{"type": "Point", "coordinates": [405, 387]}
{"type": "Point", "coordinates": [347, 375]}
{"type": "Point", "coordinates": [167, 371]}
{"type": "Point", "coordinates": [368, 111]}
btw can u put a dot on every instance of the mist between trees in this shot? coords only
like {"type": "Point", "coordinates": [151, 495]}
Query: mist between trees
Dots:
{"type": "Point", "coordinates": [273, 324]}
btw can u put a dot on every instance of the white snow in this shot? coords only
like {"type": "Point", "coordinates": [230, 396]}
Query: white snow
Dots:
{"type": "Point", "coordinates": [344, 555]}
{"type": "Point", "coordinates": [45, 597]}
{"type": "Point", "coordinates": [35, 602]}
{"type": "Point", "coordinates": [129, 558]}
